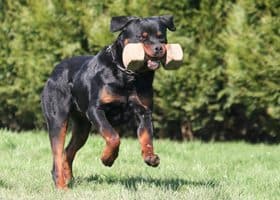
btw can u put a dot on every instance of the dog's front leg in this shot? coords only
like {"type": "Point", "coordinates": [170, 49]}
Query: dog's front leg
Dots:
{"type": "Point", "coordinates": [111, 150]}
{"type": "Point", "coordinates": [145, 135]}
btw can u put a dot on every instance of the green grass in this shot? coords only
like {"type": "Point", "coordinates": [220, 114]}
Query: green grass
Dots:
{"type": "Point", "coordinates": [192, 170]}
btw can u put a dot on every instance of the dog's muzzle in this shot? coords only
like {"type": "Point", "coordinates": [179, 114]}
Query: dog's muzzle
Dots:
{"type": "Point", "coordinates": [154, 53]}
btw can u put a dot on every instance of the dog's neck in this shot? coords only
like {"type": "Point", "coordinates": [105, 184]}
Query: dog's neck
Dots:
{"type": "Point", "coordinates": [116, 50]}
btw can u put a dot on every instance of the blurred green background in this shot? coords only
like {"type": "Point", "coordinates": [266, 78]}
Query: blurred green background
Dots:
{"type": "Point", "coordinates": [228, 87]}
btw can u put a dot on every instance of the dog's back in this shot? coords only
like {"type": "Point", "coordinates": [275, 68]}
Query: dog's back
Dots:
{"type": "Point", "coordinates": [68, 67]}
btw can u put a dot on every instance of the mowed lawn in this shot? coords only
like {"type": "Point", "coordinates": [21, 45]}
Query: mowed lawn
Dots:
{"type": "Point", "coordinates": [189, 170]}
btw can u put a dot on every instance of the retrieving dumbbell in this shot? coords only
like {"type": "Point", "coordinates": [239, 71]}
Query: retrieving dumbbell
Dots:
{"type": "Point", "coordinates": [134, 56]}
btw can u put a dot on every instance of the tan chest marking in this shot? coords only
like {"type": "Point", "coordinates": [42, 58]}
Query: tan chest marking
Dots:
{"type": "Point", "coordinates": [107, 96]}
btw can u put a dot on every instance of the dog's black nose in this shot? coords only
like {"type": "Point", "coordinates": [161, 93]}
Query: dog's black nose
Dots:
{"type": "Point", "coordinates": [158, 49]}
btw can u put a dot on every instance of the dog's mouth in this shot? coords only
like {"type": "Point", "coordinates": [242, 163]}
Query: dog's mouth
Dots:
{"type": "Point", "coordinates": [153, 64]}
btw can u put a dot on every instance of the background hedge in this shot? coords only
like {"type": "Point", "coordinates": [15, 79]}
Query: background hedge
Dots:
{"type": "Point", "coordinates": [228, 87]}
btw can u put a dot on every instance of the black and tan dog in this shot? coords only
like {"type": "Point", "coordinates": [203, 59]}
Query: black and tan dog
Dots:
{"type": "Point", "coordinates": [99, 90]}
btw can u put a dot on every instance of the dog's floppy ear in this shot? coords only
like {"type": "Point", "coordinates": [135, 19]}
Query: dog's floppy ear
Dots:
{"type": "Point", "coordinates": [167, 20]}
{"type": "Point", "coordinates": [118, 23]}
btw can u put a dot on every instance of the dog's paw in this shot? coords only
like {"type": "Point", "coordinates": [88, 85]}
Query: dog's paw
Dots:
{"type": "Point", "coordinates": [107, 161]}
{"type": "Point", "coordinates": [152, 160]}
{"type": "Point", "coordinates": [59, 181]}
{"type": "Point", "coordinates": [108, 157]}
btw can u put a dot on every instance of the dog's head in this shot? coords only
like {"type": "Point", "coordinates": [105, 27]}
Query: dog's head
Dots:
{"type": "Point", "coordinates": [151, 32]}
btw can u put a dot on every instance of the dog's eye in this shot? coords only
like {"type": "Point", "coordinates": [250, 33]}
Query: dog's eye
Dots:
{"type": "Point", "coordinates": [144, 36]}
{"type": "Point", "coordinates": [159, 34]}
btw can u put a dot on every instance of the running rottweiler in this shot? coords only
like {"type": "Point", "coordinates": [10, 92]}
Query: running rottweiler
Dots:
{"type": "Point", "coordinates": [99, 90]}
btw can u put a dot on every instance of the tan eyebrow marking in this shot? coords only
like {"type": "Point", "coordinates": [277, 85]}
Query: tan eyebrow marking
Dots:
{"type": "Point", "coordinates": [144, 34]}
{"type": "Point", "coordinates": [159, 33]}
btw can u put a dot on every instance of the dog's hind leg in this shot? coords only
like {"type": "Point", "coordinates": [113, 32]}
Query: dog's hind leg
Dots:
{"type": "Point", "coordinates": [56, 106]}
{"type": "Point", "coordinates": [80, 131]}
{"type": "Point", "coordinates": [57, 136]}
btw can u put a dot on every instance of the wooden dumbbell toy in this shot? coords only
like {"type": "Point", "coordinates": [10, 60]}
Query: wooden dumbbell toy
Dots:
{"type": "Point", "coordinates": [134, 56]}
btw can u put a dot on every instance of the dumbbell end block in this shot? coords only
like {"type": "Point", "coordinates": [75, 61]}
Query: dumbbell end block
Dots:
{"type": "Point", "coordinates": [174, 56]}
{"type": "Point", "coordinates": [133, 56]}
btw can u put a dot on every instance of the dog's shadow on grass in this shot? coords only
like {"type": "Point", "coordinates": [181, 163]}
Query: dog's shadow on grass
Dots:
{"type": "Point", "coordinates": [133, 182]}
